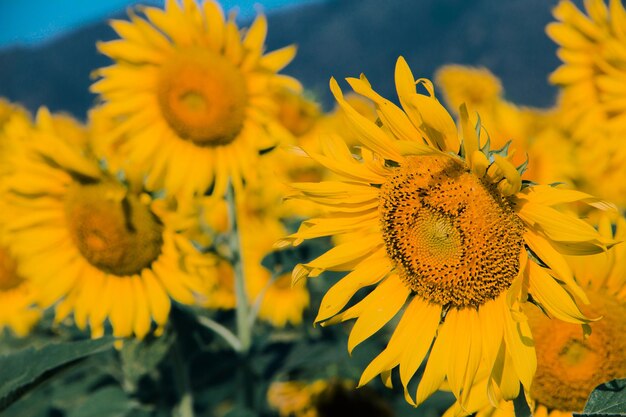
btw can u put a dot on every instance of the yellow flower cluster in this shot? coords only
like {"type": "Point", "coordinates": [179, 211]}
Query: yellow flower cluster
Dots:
{"type": "Point", "coordinates": [440, 217]}
{"type": "Point", "coordinates": [104, 220]}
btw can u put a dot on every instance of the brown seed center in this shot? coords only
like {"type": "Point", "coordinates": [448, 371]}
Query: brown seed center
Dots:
{"type": "Point", "coordinates": [202, 96]}
{"type": "Point", "coordinates": [454, 239]}
{"type": "Point", "coordinates": [113, 229]}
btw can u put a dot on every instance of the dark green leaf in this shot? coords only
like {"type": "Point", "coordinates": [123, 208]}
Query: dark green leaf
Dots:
{"type": "Point", "coordinates": [110, 401]}
{"type": "Point", "coordinates": [142, 357]}
{"type": "Point", "coordinates": [241, 412]}
{"type": "Point", "coordinates": [608, 399]}
{"type": "Point", "coordinates": [23, 370]}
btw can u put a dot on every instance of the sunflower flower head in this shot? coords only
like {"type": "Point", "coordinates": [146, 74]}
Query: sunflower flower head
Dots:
{"type": "Point", "coordinates": [447, 236]}
{"type": "Point", "coordinates": [193, 97]}
{"type": "Point", "coordinates": [296, 112]}
{"type": "Point", "coordinates": [592, 47]}
{"type": "Point", "coordinates": [119, 256]}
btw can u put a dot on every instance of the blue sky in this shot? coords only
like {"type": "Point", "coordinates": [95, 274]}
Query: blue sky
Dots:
{"type": "Point", "coordinates": [36, 21]}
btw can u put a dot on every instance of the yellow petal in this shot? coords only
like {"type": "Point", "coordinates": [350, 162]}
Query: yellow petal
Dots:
{"type": "Point", "coordinates": [423, 320]}
{"type": "Point", "coordinates": [552, 258]}
{"type": "Point", "coordinates": [390, 114]}
{"type": "Point", "coordinates": [480, 163]}
{"type": "Point", "coordinates": [157, 298]}
{"type": "Point", "coordinates": [345, 254]}
{"type": "Point", "coordinates": [520, 345]}
{"type": "Point", "coordinates": [511, 175]}
{"type": "Point", "coordinates": [552, 296]}
{"type": "Point", "coordinates": [556, 225]}
{"type": "Point", "coordinates": [470, 139]}
{"type": "Point", "coordinates": [142, 322]}
{"type": "Point", "coordinates": [255, 38]}
{"type": "Point", "coordinates": [278, 59]}
{"type": "Point", "coordinates": [368, 133]}
{"type": "Point", "coordinates": [551, 196]}
{"type": "Point", "coordinates": [379, 307]}
{"type": "Point", "coordinates": [369, 272]}
{"type": "Point", "coordinates": [437, 365]}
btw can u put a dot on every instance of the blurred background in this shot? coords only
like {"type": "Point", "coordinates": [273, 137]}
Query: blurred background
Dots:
{"type": "Point", "coordinates": [47, 48]}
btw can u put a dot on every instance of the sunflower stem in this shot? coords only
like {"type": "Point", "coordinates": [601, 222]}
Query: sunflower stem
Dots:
{"type": "Point", "coordinates": [244, 329]}
{"type": "Point", "coordinates": [226, 334]}
{"type": "Point", "coordinates": [184, 408]}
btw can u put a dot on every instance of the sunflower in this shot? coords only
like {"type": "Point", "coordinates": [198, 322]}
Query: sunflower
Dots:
{"type": "Point", "coordinates": [194, 99]}
{"type": "Point", "coordinates": [570, 366]}
{"type": "Point", "coordinates": [16, 297]}
{"type": "Point", "coordinates": [296, 112]}
{"type": "Point", "coordinates": [553, 158]}
{"type": "Point", "coordinates": [592, 78]}
{"type": "Point", "coordinates": [90, 243]}
{"type": "Point", "coordinates": [325, 398]}
{"type": "Point", "coordinates": [280, 303]}
{"type": "Point", "coordinates": [601, 166]}
{"type": "Point", "coordinates": [447, 231]}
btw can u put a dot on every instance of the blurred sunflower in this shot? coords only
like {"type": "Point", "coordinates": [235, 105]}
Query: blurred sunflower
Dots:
{"type": "Point", "coordinates": [280, 302]}
{"type": "Point", "coordinates": [16, 297]}
{"type": "Point", "coordinates": [570, 366]}
{"type": "Point", "coordinates": [296, 112]}
{"type": "Point", "coordinates": [477, 88]}
{"type": "Point", "coordinates": [592, 77]}
{"type": "Point", "coordinates": [193, 99]}
{"type": "Point", "coordinates": [325, 398]}
{"type": "Point", "coordinates": [10, 115]}
{"type": "Point", "coordinates": [482, 92]}
{"type": "Point", "coordinates": [601, 166]}
{"type": "Point", "coordinates": [448, 231]}
{"type": "Point", "coordinates": [553, 158]}
{"type": "Point", "coordinates": [90, 243]}
{"type": "Point", "coordinates": [16, 294]}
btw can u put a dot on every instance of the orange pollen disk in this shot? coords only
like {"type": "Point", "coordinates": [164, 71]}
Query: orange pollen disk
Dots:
{"type": "Point", "coordinates": [202, 96]}
{"type": "Point", "coordinates": [454, 239]}
{"type": "Point", "coordinates": [9, 278]}
{"type": "Point", "coordinates": [114, 231]}
{"type": "Point", "coordinates": [571, 366]}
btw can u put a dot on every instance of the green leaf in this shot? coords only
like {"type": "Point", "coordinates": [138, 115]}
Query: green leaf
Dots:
{"type": "Point", "coordinates": [110, 401]}
{"type": "Point", "coordinates": [241, 412]}
{"type": "Point", "coordinates": [23, 370]}
{"type": "Point", "coordinates": [608, 399]}
{"type": "Point", "coordinates": [140, 358]}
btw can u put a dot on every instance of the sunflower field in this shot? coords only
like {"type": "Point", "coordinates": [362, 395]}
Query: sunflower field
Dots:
{"type": "Point", "coordinates": [211, 240]}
